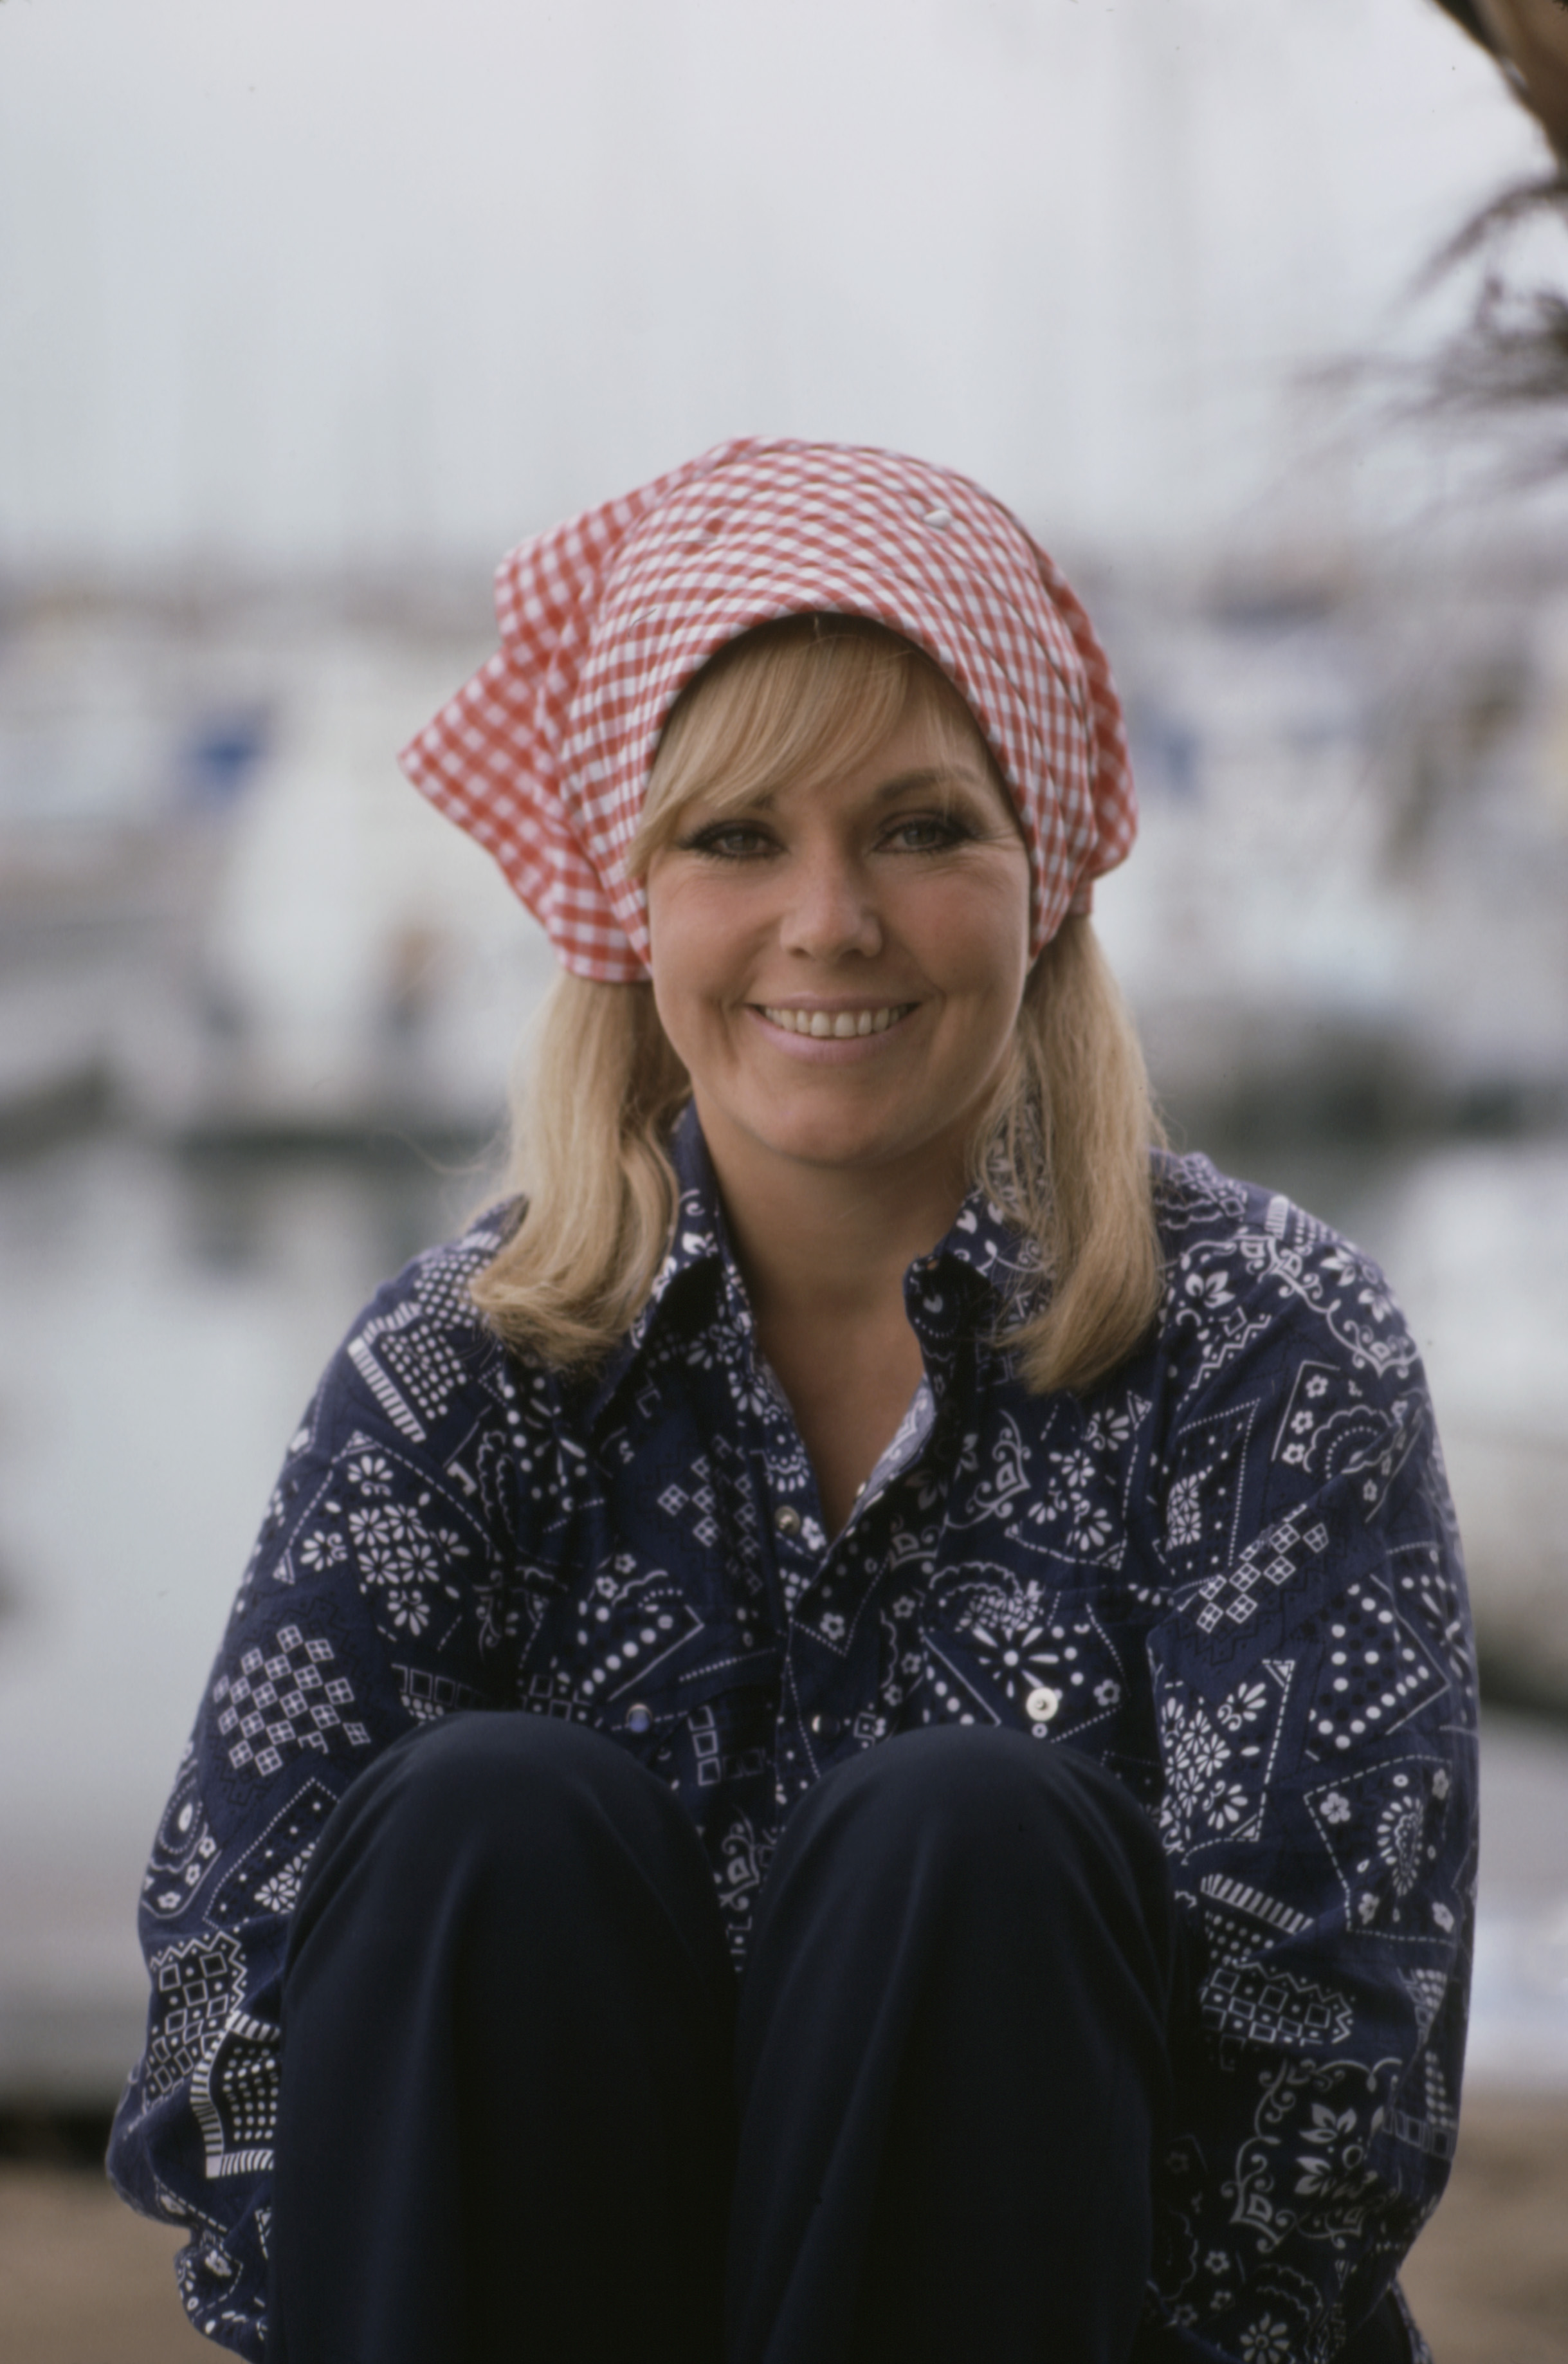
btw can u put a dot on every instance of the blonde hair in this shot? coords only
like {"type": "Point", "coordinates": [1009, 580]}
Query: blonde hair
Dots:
{"type": "Point", "coordinates": [1064, 1149]}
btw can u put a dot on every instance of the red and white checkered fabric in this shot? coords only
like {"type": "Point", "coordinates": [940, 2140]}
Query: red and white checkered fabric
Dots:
{"type": "Point", "coordinates": [544, 755]}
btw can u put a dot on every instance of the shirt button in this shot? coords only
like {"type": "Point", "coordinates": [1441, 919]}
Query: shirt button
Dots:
{"type": "Point", "coordinates": [826, 1726]}
{"type": "Point", "coordinates": [638, 1719]}
{"type": "Point", "coordinates": [786, 1519]}
{"type": "Point", "coordinates": [1042, 1703]}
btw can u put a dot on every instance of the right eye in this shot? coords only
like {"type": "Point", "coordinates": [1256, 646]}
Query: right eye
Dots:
{"type": "Point", "coordinates": [729, 841]}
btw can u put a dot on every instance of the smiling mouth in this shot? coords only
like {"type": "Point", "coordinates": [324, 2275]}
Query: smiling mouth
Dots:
{"type": "Point", "coordinates": [837, 1025]}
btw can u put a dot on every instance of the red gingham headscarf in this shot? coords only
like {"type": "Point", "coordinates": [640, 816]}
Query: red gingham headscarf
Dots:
{"type": "Point", "coordinates": [544, 755]}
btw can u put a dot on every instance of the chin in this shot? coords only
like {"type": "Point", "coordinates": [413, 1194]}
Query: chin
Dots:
{"type": "Point", "coordinates": [821, 1140]}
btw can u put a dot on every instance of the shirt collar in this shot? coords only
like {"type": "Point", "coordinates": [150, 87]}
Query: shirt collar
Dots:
{"type": "Point", "coordinates": [983, 1252]}
{"type": "Point", "coordinates": [992, 1248]}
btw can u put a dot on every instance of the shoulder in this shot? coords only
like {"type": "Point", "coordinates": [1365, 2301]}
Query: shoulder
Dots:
{"type": "Point", "coordinates": [433, 1289]}
{"type": "Point", "coordinates": [1253, 1280]}
{"type": "Point", "coordinates": [440, 1277]}
{"type": "Point", "coordinates": [421, 1352]}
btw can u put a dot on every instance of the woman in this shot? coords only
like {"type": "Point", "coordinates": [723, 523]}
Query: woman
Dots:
{"type": "Point", "coordinates": [984, 1868]}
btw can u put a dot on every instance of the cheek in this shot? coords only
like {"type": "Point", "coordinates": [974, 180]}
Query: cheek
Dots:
{"type": "Point", "coordinates": [694, 946]}
{"type": "Point", "coordinates": [982, 937]}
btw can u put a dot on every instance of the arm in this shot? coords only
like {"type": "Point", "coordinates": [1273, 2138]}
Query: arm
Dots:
{"type": "Point", "coordinates": [1314, 1686]}
{"type": "Point", "coordinates": [371, 1602]}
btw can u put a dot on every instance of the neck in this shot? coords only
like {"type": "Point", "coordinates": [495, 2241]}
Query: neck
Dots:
{"type": "Point", "coordinates": [824, 1250]}
{"type": "Point", "coordinates": [829, 1244]}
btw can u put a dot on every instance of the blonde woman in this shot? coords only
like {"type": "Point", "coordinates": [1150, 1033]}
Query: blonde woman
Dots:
{"type": "Point", "coordinates": [850, 1737]}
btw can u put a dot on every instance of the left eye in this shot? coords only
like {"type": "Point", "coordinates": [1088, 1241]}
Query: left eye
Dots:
{"type": "Point", "coordinates": [927, 834]}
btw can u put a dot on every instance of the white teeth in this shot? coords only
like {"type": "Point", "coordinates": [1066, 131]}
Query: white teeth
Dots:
{"type": "Point", "coordinates": [841, 1025]}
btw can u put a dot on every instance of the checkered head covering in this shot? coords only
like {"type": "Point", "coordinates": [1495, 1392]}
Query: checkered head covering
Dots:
{"type": "Point", "coordinates": [544, 755]}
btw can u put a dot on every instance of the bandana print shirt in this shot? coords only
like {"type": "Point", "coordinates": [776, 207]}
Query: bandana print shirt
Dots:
{"type": "Point", "coordinates": [1230, 1574]}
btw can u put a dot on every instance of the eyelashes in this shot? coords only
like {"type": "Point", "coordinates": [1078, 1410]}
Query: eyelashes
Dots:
{"type": "Point", "coordinates": [942, 830]}
{"type": "Point", "coordinates": [746, 842]}
{"type": "Point", "coordinates": [726, 842]}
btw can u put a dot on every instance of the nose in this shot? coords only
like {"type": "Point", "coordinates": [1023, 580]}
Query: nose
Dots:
{"type": "Point", "coordinates": [830, 913]}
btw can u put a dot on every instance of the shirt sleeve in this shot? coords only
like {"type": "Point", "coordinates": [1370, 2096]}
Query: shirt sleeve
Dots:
{"type": "Point", "coordinates": [376, 1599]}
{"type": "Point", "coordinates": [1314, 1689]}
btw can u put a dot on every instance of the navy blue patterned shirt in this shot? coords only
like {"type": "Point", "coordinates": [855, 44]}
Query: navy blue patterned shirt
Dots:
{"type": "Point", "coordinates": [1230, 1574]}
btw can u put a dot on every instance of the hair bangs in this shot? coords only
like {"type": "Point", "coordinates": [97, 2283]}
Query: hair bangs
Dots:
{"type": "Point", "coordinates": [792, 700]}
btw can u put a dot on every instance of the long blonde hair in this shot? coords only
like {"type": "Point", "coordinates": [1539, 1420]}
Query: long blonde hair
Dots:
{"type": "Point", "coordinates": [1064, 1149]}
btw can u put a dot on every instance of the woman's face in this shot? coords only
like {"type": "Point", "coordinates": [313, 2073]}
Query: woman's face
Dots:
{"type": "Point", "coordinates": [840, 964]}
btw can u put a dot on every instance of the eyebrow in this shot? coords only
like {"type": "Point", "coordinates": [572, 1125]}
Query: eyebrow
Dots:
{"type": "Point", "coordinates": [930, 775]}
{"type": "Point", "coordinates": [903, 783]}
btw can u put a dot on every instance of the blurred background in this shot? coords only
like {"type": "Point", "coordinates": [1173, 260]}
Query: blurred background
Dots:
{"type": "Point", "coordinates": [305, 315]}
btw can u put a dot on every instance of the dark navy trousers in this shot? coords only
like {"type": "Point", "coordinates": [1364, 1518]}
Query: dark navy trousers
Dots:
{"type": "Point", "coordinates": [529, 2112]}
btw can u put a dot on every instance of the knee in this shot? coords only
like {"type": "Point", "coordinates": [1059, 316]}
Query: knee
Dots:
{"type": "Point", "coordinates": [499, 1846]}
{"type": "Point", "coordinates": [467, 1762]}
{"type": "Point", "coordinates": [486, 1797]}
{"type": "Point", "coordinates": [995, 1804]}
{"type": "Point", "coordinates": [519, 1785]}
{"type": "Point", "coordinates": [958, 1783]}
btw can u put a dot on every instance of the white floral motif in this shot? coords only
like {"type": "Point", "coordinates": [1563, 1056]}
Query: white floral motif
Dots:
{"type": "Point", "coordinates": [1242, 1707]}
{"type": "Point", "coordinates": [322, 1549]}
{"type": "Point", "coordinates": [1329, 2126]}
{"type": "Point", "coordinates": [1197, 1788]}
{"type": "Point", "coordinates": [1091, 1528]}
{"type": "Point", "coordinates": [400, 1560]}
{"type": "Point", "coordinates": [1267, 2341]}
{"type": "Point", "coordinates": [371, 1472]}
{"type": "Point", "coordinates": [391, 1545]}
{"type": "Point", "coordinates": [1196, 1758]}
{"type": "Point", "coordinates": [1336, 2168]}
{"type": "Point", "coordinates": [1184, 1520]}
{"type": "Point", "coordinates": [1107, 1430]}
{"type": "Point", "coordinates": [1076, 1493]}
{"type": "Point", "coordinates": [1336, 1807]}
{"type": "Point", "coordinates": [407, 1608]}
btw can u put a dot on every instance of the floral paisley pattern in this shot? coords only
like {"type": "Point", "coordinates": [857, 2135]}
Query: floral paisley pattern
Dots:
{"type": "Point", "coordinates": [1230, 1575]}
